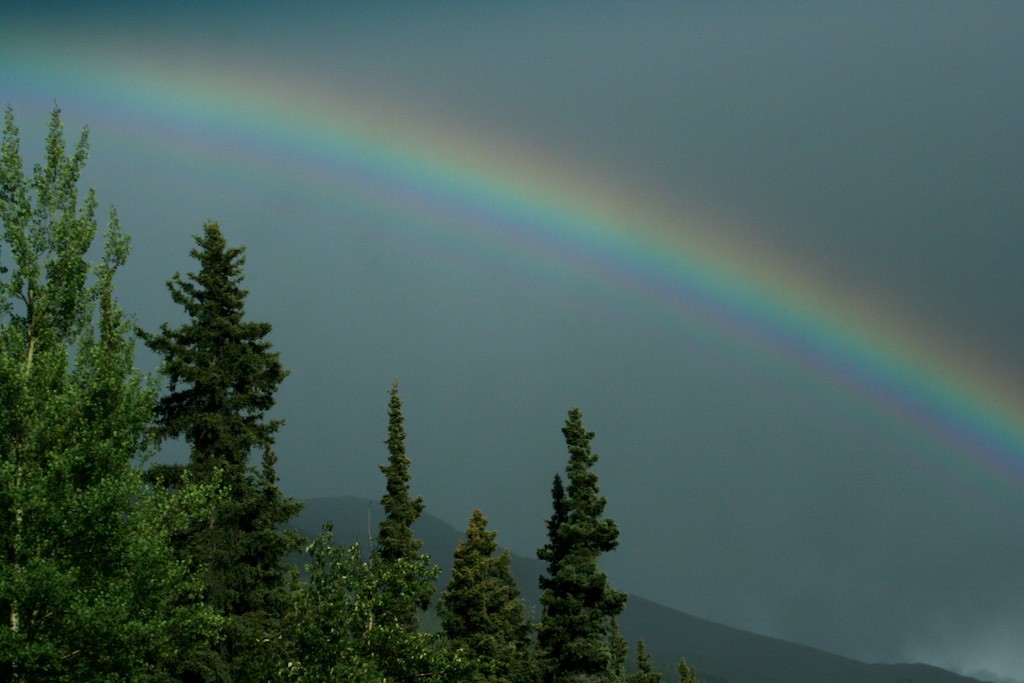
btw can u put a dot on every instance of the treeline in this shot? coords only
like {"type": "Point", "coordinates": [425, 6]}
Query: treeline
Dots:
{"type": "Point", "coordinates": [117, 569]}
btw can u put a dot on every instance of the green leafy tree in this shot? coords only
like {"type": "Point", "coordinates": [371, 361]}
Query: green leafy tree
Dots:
{"type": "Point", "coordinates": [395, 539]}
{"type": "Point", "coordinates": [223, 375]}
{"type": "Point", "coordinates": [481, 611]}
{"type": "Point", "coordinates": [576, 636]}
{"type": "Point", "coordinates": [645, 672]}
{"type": "Point", "coordinates": [90, 587]}
{"type": "Point", "coordinates": [336, 632]}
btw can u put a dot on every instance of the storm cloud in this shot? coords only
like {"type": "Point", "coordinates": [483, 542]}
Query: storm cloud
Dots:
{"type": "Point", "coordinates": [872, 150]}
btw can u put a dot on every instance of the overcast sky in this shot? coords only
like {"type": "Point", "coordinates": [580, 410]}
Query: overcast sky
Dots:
{"type": "Point", "coordinates": [423, 189]}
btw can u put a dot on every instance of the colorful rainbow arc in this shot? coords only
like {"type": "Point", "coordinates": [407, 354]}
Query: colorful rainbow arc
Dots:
{"type": "Point", "coordinates": [515, 203]}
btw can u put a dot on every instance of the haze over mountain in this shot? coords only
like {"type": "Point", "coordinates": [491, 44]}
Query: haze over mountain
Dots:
{"type": "Point", "coordinates": [771, 250]}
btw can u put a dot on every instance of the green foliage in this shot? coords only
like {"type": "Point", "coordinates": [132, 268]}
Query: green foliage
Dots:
{"type": "Point", "coordinates": [90, 588]}
{"type": "Point", "coordinates": [109, 574]}
{"type": "Point", "coordinates": [645, 672]}
{"type": "Point", "coordinates": [619, 650]}
{"type": "Point", "coordinates": [338, 633]}
{"type": "Point", "coordinates": [576, 637]}
{"type": "Point", "coordinates": [395, 540]}
{"type": "Point", "coordinates": [223, 376]}
{"type": "Point", "coordinates": [687, 673]}
{"type": "Point", "coordinates": [222, 372]}
{"type": "Point", "coordinates": [481, 611]}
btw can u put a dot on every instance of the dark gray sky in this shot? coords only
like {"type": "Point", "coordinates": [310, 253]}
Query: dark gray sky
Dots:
{"type": "Point", "coordinates": [866, 157]}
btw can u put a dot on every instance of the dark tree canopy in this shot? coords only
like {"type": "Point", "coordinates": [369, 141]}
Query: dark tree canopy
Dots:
{"type": "Point", "coordinates": [221, 370]}
{"type": "Point", "coordinates": [395, 541]}
{"type": "Point", "coordinates": [576, 637]}
{"type": "Point", "coordinates": [481, 611]}
{"type": "Point", "coordinates": [223, 375]}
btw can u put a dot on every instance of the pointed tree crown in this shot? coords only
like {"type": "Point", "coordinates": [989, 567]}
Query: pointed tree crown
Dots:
{"type": "Point", "coordinates": [645, 672]}
{"type": "Point", "coordinates": [480, 609]}
{"type": "Point", "coordinates": [222, 371]}
{"type": "Point", "coordinates": [395, 538]}
{"type": "Point", "coordinates": [223, 374]}
{"type": "Point", "coordinates": [396, 545]}
{"type": "Point", "coordinates": [578, 638]}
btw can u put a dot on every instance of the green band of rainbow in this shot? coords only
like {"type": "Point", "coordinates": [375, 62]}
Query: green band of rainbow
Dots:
{"type": "Point", "coordinates": [449, 190]}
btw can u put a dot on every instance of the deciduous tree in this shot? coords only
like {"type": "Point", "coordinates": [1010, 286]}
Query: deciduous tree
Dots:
{"type": "Point", "coordinates": [90, 587]}
{"type": "Point", "coordinates": [336, 634]}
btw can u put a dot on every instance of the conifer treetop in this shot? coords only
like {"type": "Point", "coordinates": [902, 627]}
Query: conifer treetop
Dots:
{"type": "Point", "coordinates": [395, 539]}
{"type": "Point", "coordinates": [221, 369]}
{"type": "Point", "coordinates": [481, 612]}
{"type": "Point", "coordinates": [578, 638]}
{"type": "Point", "coordinates": [396, 543]}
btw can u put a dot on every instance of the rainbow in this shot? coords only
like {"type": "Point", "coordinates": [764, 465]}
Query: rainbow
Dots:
{"type": "Point", "coordinates": [460, 189]}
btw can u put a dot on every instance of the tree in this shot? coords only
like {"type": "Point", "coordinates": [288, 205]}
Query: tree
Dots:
{"type": "Point", "coordinates": [575, 637]}
{"type": "Point", "coordinates": [645, 672]}
{"type": "Point", "coordinates": [90, 587]}
{"type": "Point", "coordinates": [687, 674]}
{"type": "Point", "coordinates": [223, 376]}
{"type": "Point", "coordinates": [396, 542]}
{"type": "Point", "coordinates": [336, 634]}
{"type": "Point", "coordinates": [481, 612]}
{"type": "Point", "coordinates": [619, 651]}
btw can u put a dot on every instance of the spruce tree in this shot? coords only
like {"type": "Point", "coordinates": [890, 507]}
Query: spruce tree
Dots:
{"type": "Point", "coordinates": [619, 650]}
{"type": "Point", "coordinates": [395, 541]}
{"type": "Point", "coordinates": [687, 673]}
{"type": "Point", "coordinates": [90, 588]}
{"type": "Point", "coordinates": [481, 611]}
{"type": "Point", "coordinates": [223, 375]}
{"type": "Point", "coordinates": [576, 637]}
{"type": "Point", "coordinates": [645, 672]}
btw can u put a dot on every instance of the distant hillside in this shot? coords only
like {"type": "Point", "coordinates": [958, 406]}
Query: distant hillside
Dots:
{"type": "Point", "coordinates": [717, 651]}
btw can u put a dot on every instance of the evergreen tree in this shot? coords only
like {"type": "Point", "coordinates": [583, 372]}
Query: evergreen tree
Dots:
{"type": "Point", "coordinates": [645, 672]}
{"type": "Point", "coordinates": [481, 611]}
{"type": "Point", "coordinates": [396, 542]}
{"type": "Point", "coordinates": [687, 674]}
{"type": "Point", "coordinates": [619, 651]}
{"type": "Point", "coordinates": [578, 602]}
{"type": "Point", "coordinates": [90, 588]}
{"type": "Point", "coordinates": [223, 376]}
